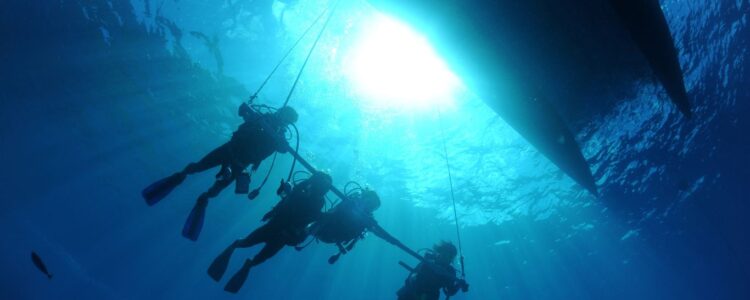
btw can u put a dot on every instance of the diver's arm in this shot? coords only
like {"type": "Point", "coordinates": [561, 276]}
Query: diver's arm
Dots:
{"type": "Point", "coordinates": [381, 233]}
{"type": "Point", "coordinates": [281, 145]}
{"type": "Point", "coordinates": [455, 286]}
{"type": "Point", "coordinates": [370, 222]}
{"type": "Point", "coordinates": [452, 288]}
{"type": "Point", "coordinates": [450, 291]}
{"type": "Point", "coordinates": [284, 189]}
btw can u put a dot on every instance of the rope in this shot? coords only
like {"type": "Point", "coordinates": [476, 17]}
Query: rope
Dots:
{"type": "Point", "coordinates": [288, 52]}
{"type": "Point", "coordinates": [296, 149]}
{"type": "Point", "coordinates": [315, 44]}
{"type": "Point", "coordinates": [254, 194]}
{"type": "Point", "coordinates": [299, 75]}
{"type": "Point", "coordinates": [453, 196]}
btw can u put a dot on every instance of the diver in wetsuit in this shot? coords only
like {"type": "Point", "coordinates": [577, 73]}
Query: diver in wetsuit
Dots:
{"type": "Point", "coordinates": [256, 139]}
{"type": "Point", "coordinates": [346, 223]}
{"type": "Point", "coordinates": [433, 275]}
{"type": "Point", "coordinates": [285, 226]}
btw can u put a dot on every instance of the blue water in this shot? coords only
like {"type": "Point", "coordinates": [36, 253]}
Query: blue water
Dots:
{"type": "Point", "coordinates": [100, 98]}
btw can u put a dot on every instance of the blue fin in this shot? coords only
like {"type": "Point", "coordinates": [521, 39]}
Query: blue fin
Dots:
{"type": "Point", "coordinates": [160, 189]}
{"type": "Point", "coordinates": [219, 265]}
{"type": "Point", "coordinates": [234, 284]}
{"type": "Point", "coordinates": [194, 223]}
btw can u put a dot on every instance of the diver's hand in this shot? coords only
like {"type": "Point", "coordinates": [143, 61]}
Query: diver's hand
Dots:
{"type": "Point", "coordinates": [463, 285]}
{"type": "Point", "coordinates": [284, 188]}
{"type": "Point", "coordinates": [282, 146]}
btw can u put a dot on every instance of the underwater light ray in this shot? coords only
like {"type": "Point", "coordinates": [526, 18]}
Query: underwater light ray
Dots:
{"type": "Point", "coordinates": [392, 66]}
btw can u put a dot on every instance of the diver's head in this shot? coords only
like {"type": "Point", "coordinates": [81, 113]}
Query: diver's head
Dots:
{"type": "Point", "coordinates": [320, 183]}
{"type": "Point", "coordinates": [286, 115]}
{"type": "Point", "coordinates": [370, 200]}
{"type": "Point", "coordinates": [445, 252]}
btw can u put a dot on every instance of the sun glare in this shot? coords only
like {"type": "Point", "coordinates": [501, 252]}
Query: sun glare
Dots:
{"type": "Point", "coordinates": [393, 67]}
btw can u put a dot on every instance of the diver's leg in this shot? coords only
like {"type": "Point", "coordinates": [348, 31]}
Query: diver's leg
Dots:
{"type": "Point", "coordinates": [269, 250]}
{"type": "Point", "coordinates": [194, 223]}
{"type": "Point", "coordinates": [160, 189]}
{"type": "Point", "coordinates": [219, 265]}
{"type": "Point", "coordinates": [260, 235]}
{"type": "Point", "coordinates": [218, 186]}
{"type": "Point", "coordinates": [213, 159]}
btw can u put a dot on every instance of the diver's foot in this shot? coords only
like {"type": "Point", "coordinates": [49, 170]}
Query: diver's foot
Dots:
{"type": "Point", "coordinates": [223, 174]}
{"type": "Point", "coordinates": [219, 265]}
{"type": "Point", "coordinates": [202, 201]}
{"type": "Point", "coordinates": [234, 284]}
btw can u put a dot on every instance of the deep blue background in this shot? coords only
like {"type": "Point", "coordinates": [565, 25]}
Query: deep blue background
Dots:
{"type": "Point", "coordinates": [100, 98]}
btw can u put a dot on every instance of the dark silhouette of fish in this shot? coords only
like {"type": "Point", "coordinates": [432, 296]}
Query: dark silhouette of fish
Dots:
{"type": "Point", "coordinates": [523, 58]}
{"type": "Point", "coordinates": [40, 264]}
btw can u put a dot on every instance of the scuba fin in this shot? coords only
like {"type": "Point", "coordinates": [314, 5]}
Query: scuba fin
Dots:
{"type": "Point", "coordinates": [219, 265]}
{"type": "Point", "coordinates": [334, 258]}
{"type": "Point", "coordinates": [194, 223]}
{"type": "Point", "coordinates": [254, 194]}
{"type": "Point", "coordinates": [160, 189]}
{"type": "Point", "coordinates": [234, 284]}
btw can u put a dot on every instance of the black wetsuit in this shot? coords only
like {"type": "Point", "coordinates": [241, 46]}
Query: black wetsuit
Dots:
{"type": "Point", "coordinates": [255, 140]}
{"type": "Point", "coordinates": [426, 282]}
{"type": "Point", "coordinates": [286, 223]}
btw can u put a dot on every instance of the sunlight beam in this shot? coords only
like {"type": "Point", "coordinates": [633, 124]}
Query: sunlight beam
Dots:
{"type": "Point", "coordinates": [393, 67]}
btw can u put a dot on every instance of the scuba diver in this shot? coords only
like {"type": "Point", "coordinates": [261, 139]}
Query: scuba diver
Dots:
{"type": "Point", "coordinates": [256, 139]}
{"type": "Point", "coordinates": [433, 274]}
{"type": "Point", "coordinates": [347, 222]}
{"type": "Point", "coordinates": [285, 225]}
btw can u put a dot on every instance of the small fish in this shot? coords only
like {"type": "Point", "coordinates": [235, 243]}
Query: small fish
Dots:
{"type": "Point", "coordinates": [39, 264]}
